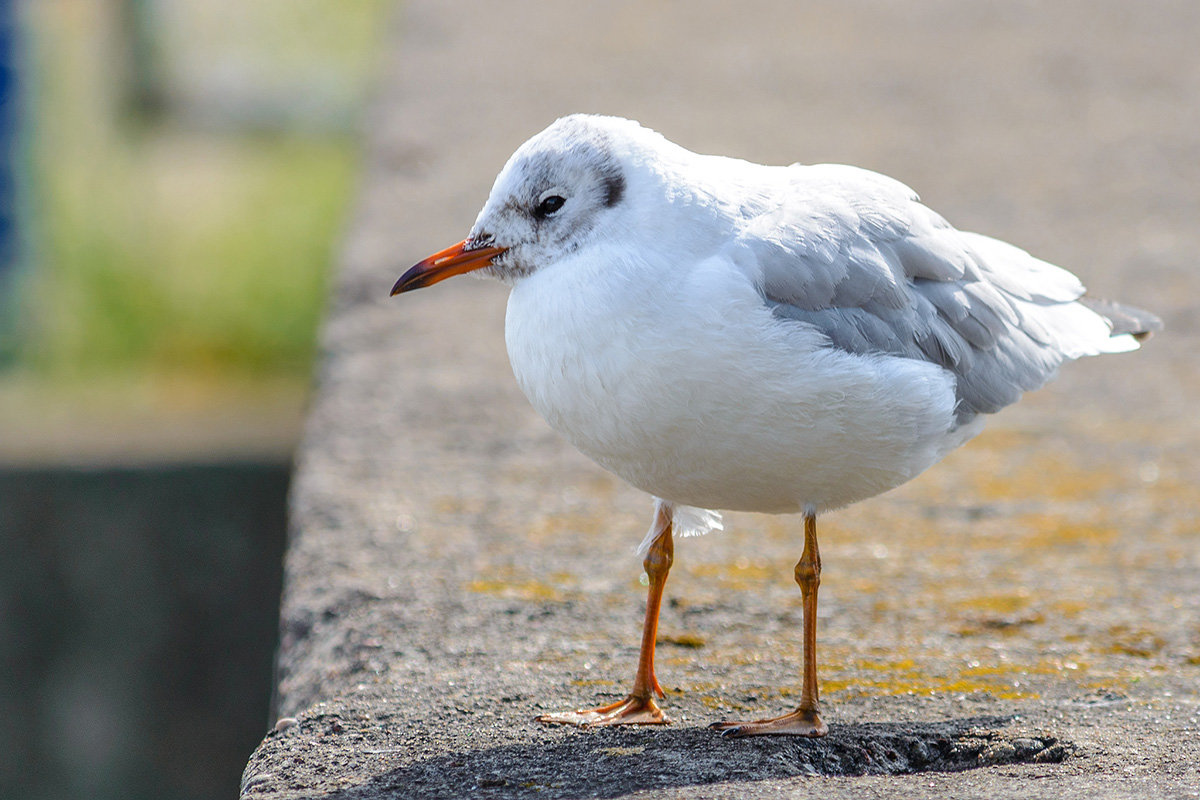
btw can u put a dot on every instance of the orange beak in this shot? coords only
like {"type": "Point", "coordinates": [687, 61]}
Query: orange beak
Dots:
{"type": "Point", "coordinates": [454, 260]}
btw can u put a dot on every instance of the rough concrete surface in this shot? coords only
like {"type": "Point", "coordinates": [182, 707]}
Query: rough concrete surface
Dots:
{"type": "Point", "coordinates": [1030, 607]}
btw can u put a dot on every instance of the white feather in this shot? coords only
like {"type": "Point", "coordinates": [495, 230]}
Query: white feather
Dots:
{"type": "Point", "coordinates": [686, 521]}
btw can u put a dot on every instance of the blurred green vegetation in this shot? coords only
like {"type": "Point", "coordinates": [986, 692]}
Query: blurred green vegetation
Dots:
{"type": "Point", "coordinates": [149, 263]}
{"type": "Point", "coordinates": [176, 243]}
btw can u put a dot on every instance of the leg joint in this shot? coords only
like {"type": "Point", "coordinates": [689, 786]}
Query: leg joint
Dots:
{"type": "Point", "coordinates": [808, 573]}
{"type": "Point", "coordinates": [658, 560]}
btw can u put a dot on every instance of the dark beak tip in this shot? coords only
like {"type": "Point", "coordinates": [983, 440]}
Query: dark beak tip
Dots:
{"type": "Point", "coordinates": [408, 281]}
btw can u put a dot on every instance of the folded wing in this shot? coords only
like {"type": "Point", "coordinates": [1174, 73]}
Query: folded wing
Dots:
{"type": "Point", "coordinates": [855, 255]}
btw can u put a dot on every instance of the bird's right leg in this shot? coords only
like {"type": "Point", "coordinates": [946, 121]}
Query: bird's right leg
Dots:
{"type": "Point", "coordinates": [639, 708]}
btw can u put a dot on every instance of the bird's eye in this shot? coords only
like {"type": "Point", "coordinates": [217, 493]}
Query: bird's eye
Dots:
{"type": "Point", "coordinates": [549, 205]}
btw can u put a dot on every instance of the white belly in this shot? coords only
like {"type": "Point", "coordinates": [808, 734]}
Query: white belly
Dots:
{"type": "Point", "coordinates": [691, 391]}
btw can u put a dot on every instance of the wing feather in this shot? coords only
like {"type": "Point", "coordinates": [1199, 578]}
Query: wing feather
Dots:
{"type": "Point", "coordinates": [855, 255]}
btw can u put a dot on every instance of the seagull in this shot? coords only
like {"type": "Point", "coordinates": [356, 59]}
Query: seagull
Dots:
{"type": "Point", "coordinates": [725, 335]}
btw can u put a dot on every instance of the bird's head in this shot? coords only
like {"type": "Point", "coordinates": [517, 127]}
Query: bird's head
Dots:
{"type": "Point", "coordinates": [548, 201]}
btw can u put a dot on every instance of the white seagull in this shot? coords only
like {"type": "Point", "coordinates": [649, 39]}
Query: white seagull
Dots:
{"type": "Point", "coordinates": [727, 335]}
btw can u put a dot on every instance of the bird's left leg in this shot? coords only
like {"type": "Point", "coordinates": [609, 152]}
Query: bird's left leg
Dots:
{"type": "Point", "coordinates": [805, 720]}
{"type": "Point", "coordinates": [639, 708]}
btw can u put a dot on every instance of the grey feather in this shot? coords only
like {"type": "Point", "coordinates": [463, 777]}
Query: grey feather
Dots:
{"type": "Point", "coordinates": [856, 256]}
{"type": "Point", "coordinates": [1125, 318]}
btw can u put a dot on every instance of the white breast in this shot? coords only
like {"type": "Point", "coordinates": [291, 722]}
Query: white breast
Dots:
{"type": "Point", "coordinates": [687, 387]}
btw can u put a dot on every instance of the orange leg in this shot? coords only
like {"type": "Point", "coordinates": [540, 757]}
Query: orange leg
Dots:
{"type": "Point", "coordinates": [805, 720]}
{"type": "Point", "coordinates": [639, 708]}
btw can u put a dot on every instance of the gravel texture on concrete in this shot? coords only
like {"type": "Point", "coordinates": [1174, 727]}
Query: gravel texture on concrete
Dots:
{"type": "Point", "coordinates": [1022, 621]}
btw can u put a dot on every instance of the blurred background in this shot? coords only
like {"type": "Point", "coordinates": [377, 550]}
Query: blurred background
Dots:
{"type": "Point", "coordinates": [173, 178]}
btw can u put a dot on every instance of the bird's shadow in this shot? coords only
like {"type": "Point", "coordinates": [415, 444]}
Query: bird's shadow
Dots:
{"type": "Point", "coordinates": [615, 762]}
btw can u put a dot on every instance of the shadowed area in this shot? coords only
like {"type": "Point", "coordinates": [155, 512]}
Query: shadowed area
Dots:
{"type": "Point", "coordinates": [137, 625]}
{"type": "Point", "coordinates": [614, 762]}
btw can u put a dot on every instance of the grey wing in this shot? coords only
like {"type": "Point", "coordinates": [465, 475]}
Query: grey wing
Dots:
{"type": "Point", "coordinates": [855, 255]}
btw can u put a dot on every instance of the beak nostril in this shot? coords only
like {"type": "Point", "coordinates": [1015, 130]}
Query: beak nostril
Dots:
{"type": "Point", "coordinates": [482, 240]}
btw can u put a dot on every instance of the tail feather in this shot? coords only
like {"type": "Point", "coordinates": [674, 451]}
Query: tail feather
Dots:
{"type": "Point", "coordinates": [1124, 319]}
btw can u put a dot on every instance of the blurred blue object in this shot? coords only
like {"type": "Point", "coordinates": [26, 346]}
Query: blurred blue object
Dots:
{"type": "Point", "coordinates": [8, 133]}
{"type": "Point", "coordinates": [9, 128]}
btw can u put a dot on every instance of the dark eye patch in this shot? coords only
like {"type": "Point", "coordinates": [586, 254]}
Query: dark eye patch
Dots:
{"type": "Point", "coordinates": [614, 188]}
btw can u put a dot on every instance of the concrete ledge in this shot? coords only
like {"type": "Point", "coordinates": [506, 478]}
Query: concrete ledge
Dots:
{"type": "Point", "coordinates": [1029, 607]}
